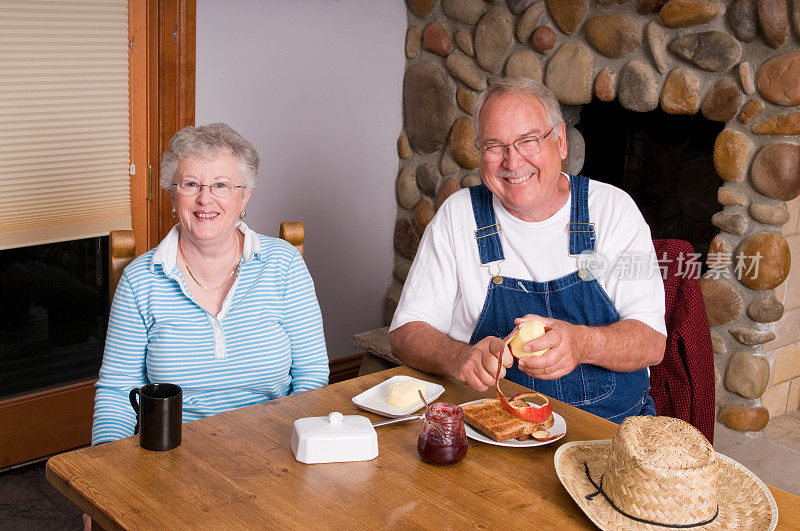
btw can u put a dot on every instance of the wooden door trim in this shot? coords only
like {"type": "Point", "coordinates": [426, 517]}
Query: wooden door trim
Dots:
{"type": "Point", "coordinates": [173, 44]}
{"type": "Point", "coordinates": [188, 57]}
{"type": "Point", "coordinates": [138, 82]}
{"type": "Point", "coordinates": [158, 107]}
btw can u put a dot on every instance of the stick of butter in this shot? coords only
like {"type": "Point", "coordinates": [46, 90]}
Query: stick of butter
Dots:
{"type": "Point", "coordinates": [406, 393]}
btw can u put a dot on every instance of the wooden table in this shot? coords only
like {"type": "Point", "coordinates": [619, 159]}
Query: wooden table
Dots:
{"type": "Point", "coordinates": [237, 470]}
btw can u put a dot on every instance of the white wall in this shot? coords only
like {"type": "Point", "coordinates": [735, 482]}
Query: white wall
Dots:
{"type": "Point", "coordinates": [316, 86]}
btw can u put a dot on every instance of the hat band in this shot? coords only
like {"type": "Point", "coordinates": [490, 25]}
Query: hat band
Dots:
{"type": "Point", "coordinates": [642, 520]}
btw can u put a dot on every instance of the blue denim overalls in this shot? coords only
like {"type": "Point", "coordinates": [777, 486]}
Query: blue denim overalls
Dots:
{"type": "Point", "coordinates": [576, 298]}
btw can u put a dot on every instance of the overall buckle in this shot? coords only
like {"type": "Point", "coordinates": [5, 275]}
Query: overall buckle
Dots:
{"type": "Point", "coordinates": [498, 231]}
{"type": "Point", "coordinates": [580, 227]}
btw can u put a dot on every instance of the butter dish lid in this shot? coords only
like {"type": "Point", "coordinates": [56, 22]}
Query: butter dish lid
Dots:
{"type": "Point", "coordinates": [335, 438]}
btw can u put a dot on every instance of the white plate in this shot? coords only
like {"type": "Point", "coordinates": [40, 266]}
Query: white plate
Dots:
{"type": "Point", "coordinates": [559, 426]}
{"type": "Point", "coordinates": [375, 398]}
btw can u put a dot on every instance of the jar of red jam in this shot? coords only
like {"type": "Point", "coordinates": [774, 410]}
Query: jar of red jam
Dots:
{"type": "Point", "coordinates": [442, 439]}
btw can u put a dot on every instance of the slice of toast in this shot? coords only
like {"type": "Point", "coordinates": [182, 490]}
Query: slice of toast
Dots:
{"type": "Point", "coordinates": [489, 418]}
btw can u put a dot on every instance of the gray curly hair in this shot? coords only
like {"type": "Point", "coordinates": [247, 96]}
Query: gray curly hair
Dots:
{"type": "Point", "coordinates": [522, 86]}
{"type": "Point", "coordinates": [206, 142]}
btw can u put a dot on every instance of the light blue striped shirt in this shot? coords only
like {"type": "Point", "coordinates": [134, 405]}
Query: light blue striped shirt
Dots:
{"type": "Point", "coordinates": [266, 342]}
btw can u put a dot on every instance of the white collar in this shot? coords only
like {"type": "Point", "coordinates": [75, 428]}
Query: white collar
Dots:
{"type": "Point", "coordinates": [166, 253]}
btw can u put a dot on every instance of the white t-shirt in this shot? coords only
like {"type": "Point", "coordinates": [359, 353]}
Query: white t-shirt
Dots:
{"type": "Point", "coordinates": [447, 285]}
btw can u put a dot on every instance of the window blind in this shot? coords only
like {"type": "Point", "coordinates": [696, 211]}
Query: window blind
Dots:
{"type": "Point", "coordinates": [64, 135]}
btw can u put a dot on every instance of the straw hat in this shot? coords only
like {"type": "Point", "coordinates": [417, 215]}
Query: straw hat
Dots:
{"type": "Point", "coordinates": [662, 473]}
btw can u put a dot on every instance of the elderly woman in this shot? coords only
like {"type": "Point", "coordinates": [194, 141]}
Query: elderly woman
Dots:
{"type": "Point", "coordinates": [227, 314]}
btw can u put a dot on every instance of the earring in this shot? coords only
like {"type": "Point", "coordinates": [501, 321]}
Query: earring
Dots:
{"type": "Point", "coordinates": [242, 214]}
{"type": "Point", "coordinates": [173, 213]}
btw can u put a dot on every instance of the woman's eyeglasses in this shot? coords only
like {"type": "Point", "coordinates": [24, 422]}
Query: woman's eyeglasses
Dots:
{"type": "Point", "coordinates": [219, 189]}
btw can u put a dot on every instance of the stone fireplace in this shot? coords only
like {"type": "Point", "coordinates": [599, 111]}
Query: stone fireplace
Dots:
{"type": "Point", "coordinates": [664, 161]}
{"type": "Point", "coordinates": [733, 67]}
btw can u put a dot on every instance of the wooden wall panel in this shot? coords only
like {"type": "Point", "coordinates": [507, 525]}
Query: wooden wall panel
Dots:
{"type": "Point", "coordinates": [345, 368]}
{"type": "Point", "coordinates": [45, 423]}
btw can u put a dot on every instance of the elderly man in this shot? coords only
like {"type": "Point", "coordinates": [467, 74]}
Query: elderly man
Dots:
{"type": "Point", "coordinates": [534, 243]}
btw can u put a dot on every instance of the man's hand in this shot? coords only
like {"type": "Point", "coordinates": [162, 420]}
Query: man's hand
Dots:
{"type": "Point", "coordinates": [624, 346]}
{"type": "Point", "coordinates": [423, 347]}
{"type": "Point", "coordinates": [476, 366]}
{"type": "Point", "coordinates": [565, 342]}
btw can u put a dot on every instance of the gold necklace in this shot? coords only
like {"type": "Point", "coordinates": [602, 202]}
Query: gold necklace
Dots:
{"type": "Point", "coordinates": [227, 279]}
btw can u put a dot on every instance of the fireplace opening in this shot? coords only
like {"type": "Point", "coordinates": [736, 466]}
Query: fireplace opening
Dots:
{"type": "Point", "coordinates": [53, 314]}
{"type": "Point", "coordinates": [664, 161]}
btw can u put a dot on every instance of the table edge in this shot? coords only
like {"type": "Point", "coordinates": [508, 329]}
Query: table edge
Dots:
{"type": "Point", "coordinates": [72, 494]}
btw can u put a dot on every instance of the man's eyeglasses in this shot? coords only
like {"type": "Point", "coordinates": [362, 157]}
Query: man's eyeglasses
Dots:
{"type": "Point", "coordinates": [219, 189]}
{"type": "Point", "coordinates": [527, 146]}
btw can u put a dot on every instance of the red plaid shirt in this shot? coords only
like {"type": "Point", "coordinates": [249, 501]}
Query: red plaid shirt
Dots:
{"type": "Point", "coordinates": [682, 385]}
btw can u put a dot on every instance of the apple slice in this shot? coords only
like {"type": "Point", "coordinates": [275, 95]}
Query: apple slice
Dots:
{"type": "Point", "coordinates": [527, 331]}
{"type": "Point", "coordinates": [547, 438]}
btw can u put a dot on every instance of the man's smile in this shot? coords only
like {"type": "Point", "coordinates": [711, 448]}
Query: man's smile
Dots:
{"type": "Point", "coordinates": [514, 177]}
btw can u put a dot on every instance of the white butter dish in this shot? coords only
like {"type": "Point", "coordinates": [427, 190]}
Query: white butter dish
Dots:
{"type": "Point", "coordinates": [334, 439]}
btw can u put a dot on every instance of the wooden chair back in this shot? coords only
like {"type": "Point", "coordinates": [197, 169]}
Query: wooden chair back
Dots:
{"type": "Point", "coordinates": [294, 233]}
{"type": "Point", "coordinates": [121, 250]}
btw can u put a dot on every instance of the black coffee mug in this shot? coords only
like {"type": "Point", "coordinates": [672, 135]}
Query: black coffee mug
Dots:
{"type": "Point", "coordinates": [159, 415]}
